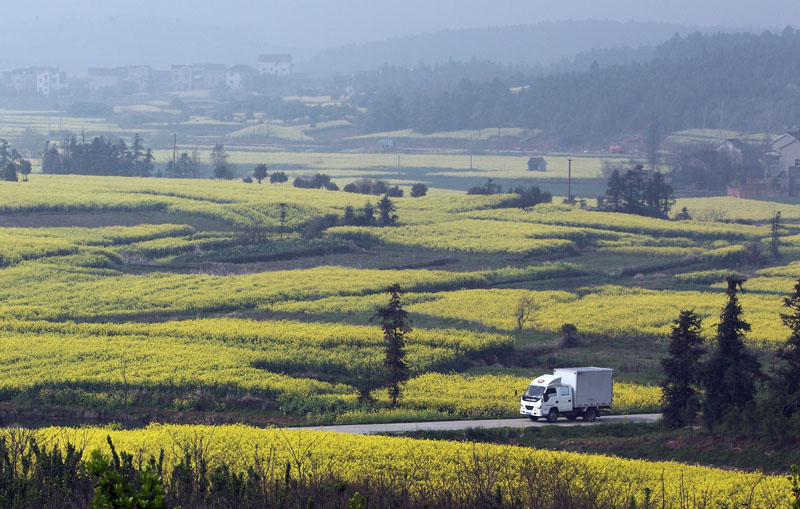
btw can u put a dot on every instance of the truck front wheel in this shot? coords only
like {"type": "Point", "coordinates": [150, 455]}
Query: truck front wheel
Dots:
{"type": "Point", "coordinates": [590, 415]}
{"type": "Point", "coordinates": [552, 416]}
{"type": "Point", "coordinates": [533, 418]}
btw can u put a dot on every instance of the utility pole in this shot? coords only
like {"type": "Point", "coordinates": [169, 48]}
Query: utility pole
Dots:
{"type": "Point", "coordinates": [470, 153]}
{"type": "Point", "coordinates": [569, 180]}
{"type": "Point", "coordinates": [174, 144]}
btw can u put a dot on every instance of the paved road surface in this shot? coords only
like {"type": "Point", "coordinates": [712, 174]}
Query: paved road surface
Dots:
{"type": "Point", "coordinates": [522, 422]}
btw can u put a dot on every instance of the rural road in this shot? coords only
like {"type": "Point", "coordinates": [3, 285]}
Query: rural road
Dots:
{"type": "Point", "coordinates": [522, 422]}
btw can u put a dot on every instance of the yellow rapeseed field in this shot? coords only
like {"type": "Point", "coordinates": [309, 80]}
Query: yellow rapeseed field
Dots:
{"type": "Point", "coordinates": [427, 469]}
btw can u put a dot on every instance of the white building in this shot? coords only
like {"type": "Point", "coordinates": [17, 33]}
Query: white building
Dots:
{"type": "Point", "coordinates": [48, 80]}
{"type": "Point", "coordinates": [275, 64]}
{"type": "Point", "coordinates": [235, 75]}
{"type": "Point", "coordinates": [208, 76]}
{"type": "Point", "coordinates": [138, 76]}
{"type": "Point", "coordinates": [181, 77]}
{"type": "Point", "coordinates": [36, 80]}
{"type": "Point", "coordinates": [99, 78]}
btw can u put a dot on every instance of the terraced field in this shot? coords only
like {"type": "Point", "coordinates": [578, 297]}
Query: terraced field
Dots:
{"type": "Point", "coordinates": [192, 301]}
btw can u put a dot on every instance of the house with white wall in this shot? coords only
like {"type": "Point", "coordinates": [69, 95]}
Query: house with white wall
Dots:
{"type": "Point", "coordinates": [275, 64]}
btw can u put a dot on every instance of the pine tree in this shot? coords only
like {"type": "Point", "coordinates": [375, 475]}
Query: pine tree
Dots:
{"type": "Point", "coordinates": [615, 190]}
{"type": "Point", "coordinates": [731, 372]}
{"type": "Point", "coordinates": [395, 324]}
{"type": "Point", "coordinates": [682, 372]}
{"type": "Point", "coordinates": [386, 208]}
{"type": "Point", "coordinates": [786, 380]}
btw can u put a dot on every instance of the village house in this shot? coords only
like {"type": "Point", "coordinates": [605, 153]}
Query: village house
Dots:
{"type": "Point", "coordinates": [208, 76]}
{"type": "Point", "coordinates": [180, 77]}
{"type": "Point", "coordinates": [36, 80]}
{"type": "Point", "coordinates": [139, 77]}
{"type": "Point", "coordinates": [275, 64]}
{"type": "Point", "coordinates": [101, 78]}
{"type": "Point", "coordinates": [779, 174]}
{"type": "Point", "coordinates": [235, 75]}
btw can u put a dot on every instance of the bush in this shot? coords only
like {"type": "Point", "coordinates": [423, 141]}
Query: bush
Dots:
{"type": "Point", "coordinates": [370, 186]}
{"type": "Point", "coordinates": [418, 190]}
{"type": "Point", "coordinates": [318, 181]}
{"type": "Point", "coordinates": [394, 192]}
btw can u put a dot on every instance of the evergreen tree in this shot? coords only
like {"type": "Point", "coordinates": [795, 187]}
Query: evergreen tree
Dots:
{"type": "Point", "coordinates": [367, 215]}
{"type": "Point", "coordinates": [682, 372]}
{"type": "Point", "coordinates": [633, 189]}
{"type": "Point", "coordinates": [786, 380]}
{"type": "Point", "coordinates": [731, 372]}
{"type": "Point", "coordinates": [386, 208]}
{"type": "Point", "coordinates": [349, 215]}
{"type": "Point", "coordinates": [51, 160]}
{"type": "Point", "coordinates": [658, 197]}
{"type": "Point", "coordinates": [395, 324]}
{"type": "Point", "coordinates": [614, 190]}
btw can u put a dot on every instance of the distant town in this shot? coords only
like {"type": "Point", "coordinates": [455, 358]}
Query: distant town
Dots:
{"type": "Point", "coordinates": [47, 81]}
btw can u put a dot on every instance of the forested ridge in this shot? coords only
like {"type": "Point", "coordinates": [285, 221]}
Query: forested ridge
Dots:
{"type": "Point", "coordinates": [744, 82]}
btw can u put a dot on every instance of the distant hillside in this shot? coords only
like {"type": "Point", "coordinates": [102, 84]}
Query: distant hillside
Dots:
{"type": "Point", "coordinates": [540, 44]}
{"type": "Point", "coordinates": [744, 82]}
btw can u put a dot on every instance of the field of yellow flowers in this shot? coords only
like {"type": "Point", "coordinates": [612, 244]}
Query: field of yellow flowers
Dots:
{"type": "Point", "coordinates": [81, 305]}
{"type": "Point", "coordinates": [426, 470]}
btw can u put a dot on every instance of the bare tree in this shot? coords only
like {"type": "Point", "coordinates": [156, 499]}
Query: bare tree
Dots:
{"type": "Point", "coordinates": [524, 312]}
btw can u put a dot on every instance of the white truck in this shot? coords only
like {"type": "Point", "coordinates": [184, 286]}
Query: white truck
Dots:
{"type": "Point", "coordinates": [571, 392]}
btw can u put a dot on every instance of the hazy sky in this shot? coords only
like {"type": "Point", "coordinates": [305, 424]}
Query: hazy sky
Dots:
{"type": "Point", "coordinates": [323, 23]}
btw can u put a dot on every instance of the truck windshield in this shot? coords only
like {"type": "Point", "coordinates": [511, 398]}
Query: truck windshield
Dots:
{"type": "Point", "coordinates": [534, 391]}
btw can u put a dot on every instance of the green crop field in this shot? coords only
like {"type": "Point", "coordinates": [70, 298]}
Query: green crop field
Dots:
{"type": "Point", "coordinates": [117, 271]}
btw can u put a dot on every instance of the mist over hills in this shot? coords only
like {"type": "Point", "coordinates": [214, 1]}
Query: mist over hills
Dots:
{"type": "Point", "coordinates": [541, 44]}
{"type": "Point", "coordinates": [74, 44]}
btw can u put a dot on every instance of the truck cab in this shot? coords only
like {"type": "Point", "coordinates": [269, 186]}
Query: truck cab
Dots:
{"type": "Point", "coordinates": [571, 392]}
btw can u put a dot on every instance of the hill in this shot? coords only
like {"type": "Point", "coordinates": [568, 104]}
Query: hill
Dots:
{"type": "Point", "coordinates": [743, 82]}
{"type": "Point", "coordinates": [541, 44]}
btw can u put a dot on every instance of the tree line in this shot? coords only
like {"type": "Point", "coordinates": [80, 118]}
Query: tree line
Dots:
{"type": "Point", "coordinates": [725, 382]}
{"type": "Point", "coordinates": [525, 196]}
{"type": "Point", "coordinates": [638, 192]}
{"type": "Point", "coordinates": [100, 156]}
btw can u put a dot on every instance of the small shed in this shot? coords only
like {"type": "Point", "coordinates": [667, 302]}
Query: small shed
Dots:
{"type": "Point", "coordinates": [537, 164]}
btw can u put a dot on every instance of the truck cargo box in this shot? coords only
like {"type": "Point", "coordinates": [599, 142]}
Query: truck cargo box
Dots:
{"type": "Point", "coordinates": [593, 386]}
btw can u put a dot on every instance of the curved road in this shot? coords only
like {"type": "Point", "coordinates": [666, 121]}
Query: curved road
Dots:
{"type": "Point", "coordinates": [522, 422]}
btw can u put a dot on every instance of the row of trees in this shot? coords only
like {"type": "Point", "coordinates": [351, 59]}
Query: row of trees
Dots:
{"type": "Point", "coordinates": [636, 192]}
{"type": "Point", "coordinates": [12, 164]}
{"type": "Point", "coordinates": [318, 181]}
{"type": "Point", "coordinates": [378, 187]}
{"type": "Point", "coordinates": [525, 197]}
{"type": "Point", "coordinates": [382, 214]}
{"type": "Point", "coordinates": [724, 383]}
{"type": "Point", "coordinates": [98, 157]}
